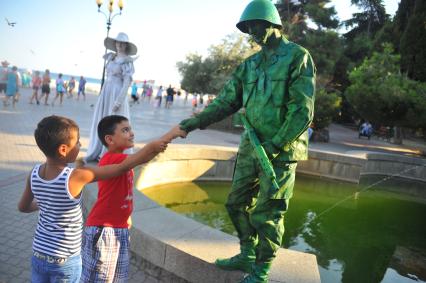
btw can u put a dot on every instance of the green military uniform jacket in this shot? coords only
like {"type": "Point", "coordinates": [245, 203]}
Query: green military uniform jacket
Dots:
{"type": "Point", "coordinates": [278, 96]}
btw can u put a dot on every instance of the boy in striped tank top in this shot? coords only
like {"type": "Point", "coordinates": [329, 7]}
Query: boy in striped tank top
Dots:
{"type": "Point", "coordinates": [54, 189]}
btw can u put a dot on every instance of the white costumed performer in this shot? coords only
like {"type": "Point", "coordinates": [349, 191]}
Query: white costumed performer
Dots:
{"type": "Point", "coordinates": [113, 97]}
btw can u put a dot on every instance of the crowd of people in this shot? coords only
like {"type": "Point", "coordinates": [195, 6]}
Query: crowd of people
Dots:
{"type": "Point", "coordinates": [162, 96]}
{"type": "Point", "coordinates": [11, 80]}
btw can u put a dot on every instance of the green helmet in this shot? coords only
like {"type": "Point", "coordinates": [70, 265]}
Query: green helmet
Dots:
{"type": "Point", "coordinates": [259, 10]}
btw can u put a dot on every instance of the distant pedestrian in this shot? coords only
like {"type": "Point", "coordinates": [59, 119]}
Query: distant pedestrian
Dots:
{"type": "Point", "coordinates": [18, 94]}
{"type": "Point", "coordinates": [311, 131]}
{"type": "Point", "coordinates": [26, 78]}
{"type": "Point", "coordinates": [71, 86]}
{"type": "Point", "coordinates": [149, 93]}
{"type": "Point", "coordinates": [366, 130]}
{"type": "Point", "coordinates": [36, 83]}
{"type": "Point", "coordinates": [12, 87]}
{"type": "Point", "coordinates": [60, 90]}
{"type": "Point", "coordinates": [81, 88]}
{"type": "Point", "coordinates": [209, 100]}
{"type": "Point", "coordinates": [45, 86]}
{"type": "Point", "coordinates": [144, 90]}
{"type": "Point", "coordinates": [186, 98]}
{"type": "Point", "coordinates": [169, 98]}
{"type": "Point", "coordinates": [194, 102]}
{"type": "Point", "coordinates": [159, 96]}
{"type": "Point", "coordinates": [65, 87]}
{"type": "Point", "coordinates": [3, 76]}
{"type": "Point", "coordinates": [134, 93]}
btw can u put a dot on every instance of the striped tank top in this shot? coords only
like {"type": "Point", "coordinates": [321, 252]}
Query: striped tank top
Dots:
{"type": "Point", "coordinates": [60, 221]}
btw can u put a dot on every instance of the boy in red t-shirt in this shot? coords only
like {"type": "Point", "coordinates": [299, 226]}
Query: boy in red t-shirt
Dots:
{"type": "Point", "coordinates": [105, 247]}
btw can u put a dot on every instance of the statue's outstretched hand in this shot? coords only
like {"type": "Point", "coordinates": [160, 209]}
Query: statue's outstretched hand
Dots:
{"type": "Point", "coordinates": [190, 124]}
{"type": "Point", "coordinates": [175, 132]}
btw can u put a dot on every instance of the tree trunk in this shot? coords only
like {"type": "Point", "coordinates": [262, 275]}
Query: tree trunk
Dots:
{"type": "Point", "coordinates": [321, 135]}
{"type": "Point", "coordinates": [397, 135]}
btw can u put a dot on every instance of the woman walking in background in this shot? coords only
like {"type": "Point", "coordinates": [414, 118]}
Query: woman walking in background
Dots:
{"type": "Point", "coordinates": [149, 93]}
{"type": "Point", "coordinates": [3, 76]}
{"type": "Point", "coordinates": [81, 88]}
{"type": "Point", "coordinates": [12, 87]}
{"type": "Point", "coordinates": [60, 90]}
{"type": "Point", "coordinates": [113, 97]}
{"type": "Point", "coordinates": [36, 83]}
{"type": "Point", "coordinates": [71, 86]}
{"type": "Point", "coordinates": [159, 96]}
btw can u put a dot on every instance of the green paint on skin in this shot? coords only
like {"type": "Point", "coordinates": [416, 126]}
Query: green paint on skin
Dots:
{"type": "Point", "coordinates": [261, 32]}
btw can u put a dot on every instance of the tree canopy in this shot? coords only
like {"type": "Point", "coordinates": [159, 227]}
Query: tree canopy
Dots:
{"type": "Point", "coordinates": [374, 70]}
{"type": "Point", "coordinates": [382, 94]}
{"type": "Point", "coordinates": [208, 75]}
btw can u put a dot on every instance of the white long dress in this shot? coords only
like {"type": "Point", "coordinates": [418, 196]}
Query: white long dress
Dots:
{"type": "Point", "coordinates": [119, 72]}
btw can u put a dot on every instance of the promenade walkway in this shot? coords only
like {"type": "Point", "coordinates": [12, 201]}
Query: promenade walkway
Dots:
{"type": "Point", "coordinates": [19, 153]}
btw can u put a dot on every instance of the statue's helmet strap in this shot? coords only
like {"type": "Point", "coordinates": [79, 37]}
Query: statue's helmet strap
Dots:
{"type": "Point", "coordinates": [259, 10]}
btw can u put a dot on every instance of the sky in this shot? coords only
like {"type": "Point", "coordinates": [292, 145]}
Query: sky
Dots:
{"type": "Point", "coordinates": [67, 36]}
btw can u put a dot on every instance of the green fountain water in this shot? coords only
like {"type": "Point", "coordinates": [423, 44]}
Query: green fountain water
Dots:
{"type": "Point", "coordinates": [373, 236]}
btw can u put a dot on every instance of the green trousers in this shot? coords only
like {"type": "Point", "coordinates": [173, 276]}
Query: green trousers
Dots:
{"type": "Point", "coordinates": [256, 209]}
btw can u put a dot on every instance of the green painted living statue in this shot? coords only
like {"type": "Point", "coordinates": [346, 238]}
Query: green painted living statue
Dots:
{"type": "Point", "coordinates": [275, 88]}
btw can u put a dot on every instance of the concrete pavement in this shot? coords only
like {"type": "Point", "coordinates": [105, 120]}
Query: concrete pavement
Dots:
{"type": "Point", "coordinates": [19, 153]}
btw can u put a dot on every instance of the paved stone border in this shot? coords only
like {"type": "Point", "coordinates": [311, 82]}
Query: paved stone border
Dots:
{"type": "Point", "coordinates": [332, 166]}
{"type": "Point", "coordinates": [368, 168]}
{"type": "Point", "coordinates": [410, 168]}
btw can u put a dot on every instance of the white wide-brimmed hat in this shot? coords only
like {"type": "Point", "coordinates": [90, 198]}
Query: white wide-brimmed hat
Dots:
{"type": "Point", "coordinates": [109, 43]}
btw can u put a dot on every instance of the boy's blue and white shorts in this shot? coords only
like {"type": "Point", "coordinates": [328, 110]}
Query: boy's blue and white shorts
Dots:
{"type": "Point", "coordinates": [105, 254]}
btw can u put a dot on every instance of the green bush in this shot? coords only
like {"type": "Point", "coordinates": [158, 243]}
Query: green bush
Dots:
{"type": "Point", "coordinates": [327, 106]}
{"type": "Point", "coordinates": [384, 96]}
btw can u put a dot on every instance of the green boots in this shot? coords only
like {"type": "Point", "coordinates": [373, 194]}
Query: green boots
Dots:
{"type": "Point", "coordinates": [242, 261]}
{"type": "Point", "coordinates": [245, 261]}
{"type": "Point", "coordinates": [258, 274]}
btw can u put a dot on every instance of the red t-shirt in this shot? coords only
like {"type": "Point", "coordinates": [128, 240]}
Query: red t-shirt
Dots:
{"type": "Point", "coordinates": [115, 197]}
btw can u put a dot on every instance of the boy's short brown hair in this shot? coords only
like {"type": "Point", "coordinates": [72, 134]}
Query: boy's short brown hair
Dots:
{"type": "Point", "coordinates": [107, 126]}
{"type": "Point", "coordinates": [53, 131]}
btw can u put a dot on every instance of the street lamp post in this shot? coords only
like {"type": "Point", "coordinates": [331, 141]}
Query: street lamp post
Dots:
{"type": "Point", "coordinates": [109, 17]}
